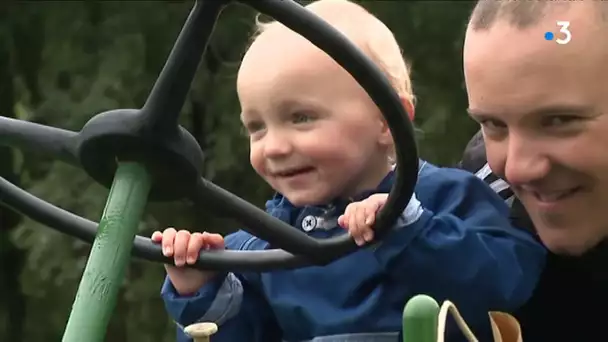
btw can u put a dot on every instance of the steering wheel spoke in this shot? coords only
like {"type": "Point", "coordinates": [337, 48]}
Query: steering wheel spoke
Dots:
{"type": "Point", "coordinates": [53, 142]}
{"type": "Point", "coordinates": [254, 220]}
{"type": "Point", "coordinates": [169, 93]}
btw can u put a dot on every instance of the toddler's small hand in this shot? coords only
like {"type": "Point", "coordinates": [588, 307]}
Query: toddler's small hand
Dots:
{"type": "Point", "coordinates": [359, 217]}
{"type": "Point", "coordinates": [185, 247]}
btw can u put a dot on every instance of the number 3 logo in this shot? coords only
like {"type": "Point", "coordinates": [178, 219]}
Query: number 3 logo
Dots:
{"type": "Point", "coordinates": [564, 29]}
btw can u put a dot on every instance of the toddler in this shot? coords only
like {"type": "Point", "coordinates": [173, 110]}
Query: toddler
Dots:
{"type": "Point", "coordinates": [319, 140]}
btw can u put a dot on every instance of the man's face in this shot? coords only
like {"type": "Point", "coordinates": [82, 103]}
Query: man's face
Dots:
{"type": "Point", "coordinates": [543, 108]}
{"type": "Point", "coordinates": [314, 132]}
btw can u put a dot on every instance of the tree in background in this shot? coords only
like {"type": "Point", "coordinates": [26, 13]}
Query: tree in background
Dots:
{"type": "Point", "coordinates": [11, 257]}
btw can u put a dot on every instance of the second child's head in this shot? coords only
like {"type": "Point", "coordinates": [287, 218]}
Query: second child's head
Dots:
{"type": "Point", "coordinates": [315, 134]}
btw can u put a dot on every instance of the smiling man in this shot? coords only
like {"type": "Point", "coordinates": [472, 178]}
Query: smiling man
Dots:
{"type": "Point", "coordinates": [543, 111]}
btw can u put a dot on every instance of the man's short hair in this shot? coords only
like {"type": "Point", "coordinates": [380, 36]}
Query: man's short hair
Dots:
{"type": "Point", "coordinates": [519, 13]}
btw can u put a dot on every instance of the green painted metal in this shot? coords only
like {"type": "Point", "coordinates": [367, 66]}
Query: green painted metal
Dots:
{"type": "Point", "coordinates": [104, 272]}
{"type": "Point", "coordinates": [420, 317]}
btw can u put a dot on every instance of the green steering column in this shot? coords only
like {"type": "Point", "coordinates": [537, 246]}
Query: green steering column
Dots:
{"type": "Point", "coordinates": [104, 272]}
{"type": "Point", "coordinates": [420, 318]}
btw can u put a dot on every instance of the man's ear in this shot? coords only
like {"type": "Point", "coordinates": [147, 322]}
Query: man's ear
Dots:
{"type": "Point", "coordinates": [409, 108]}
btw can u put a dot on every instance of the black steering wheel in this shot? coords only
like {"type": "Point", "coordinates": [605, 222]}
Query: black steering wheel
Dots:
{"type": "Point", "coordinates": [151, 135]}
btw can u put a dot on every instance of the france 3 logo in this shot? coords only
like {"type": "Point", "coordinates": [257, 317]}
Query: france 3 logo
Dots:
{"type": "Point", "coordinates": [563, 36]}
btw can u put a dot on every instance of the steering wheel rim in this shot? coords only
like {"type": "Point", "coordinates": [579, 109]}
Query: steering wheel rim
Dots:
{"type": "Point", "coordinates": [299, 249]}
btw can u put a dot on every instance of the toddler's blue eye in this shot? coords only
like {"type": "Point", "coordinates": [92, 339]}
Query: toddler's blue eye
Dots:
{"type": "Point", "coordinates": [300, 117]}
{"type": "Point", "coordinates": [253, 126]}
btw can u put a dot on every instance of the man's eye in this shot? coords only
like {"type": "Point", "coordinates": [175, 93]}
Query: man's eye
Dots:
{"type": "Point", "coordinates": [557, 121]}
{"type": "Point", "coordinates": [492, 124]}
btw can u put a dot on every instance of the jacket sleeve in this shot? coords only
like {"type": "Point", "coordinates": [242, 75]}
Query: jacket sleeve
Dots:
{"type": "Point", "coordinates": [454, 242]}
{"type": "Point", "coordinates": [232, 301]}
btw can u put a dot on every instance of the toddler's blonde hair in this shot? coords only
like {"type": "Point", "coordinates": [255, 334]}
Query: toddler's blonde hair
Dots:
{"type": "Point", "coordinates": [368, 33]}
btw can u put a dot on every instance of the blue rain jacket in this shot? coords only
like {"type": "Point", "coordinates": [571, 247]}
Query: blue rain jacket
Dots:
{"type": "Point", "coordinates": [454, 241]}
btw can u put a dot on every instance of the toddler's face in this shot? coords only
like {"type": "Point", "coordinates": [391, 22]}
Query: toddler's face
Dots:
{"type": "Point", "coordinates": [314, 132]}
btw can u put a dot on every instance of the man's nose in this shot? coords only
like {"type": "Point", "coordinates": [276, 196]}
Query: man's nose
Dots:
{"type": "Point", "coordinates": [525, 162]}
{"type": "Point", "coordinates": [277, 144]}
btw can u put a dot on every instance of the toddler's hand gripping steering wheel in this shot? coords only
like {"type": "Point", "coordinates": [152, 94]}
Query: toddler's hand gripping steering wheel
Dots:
{"type": "Point", "coordinates": [152, 137]}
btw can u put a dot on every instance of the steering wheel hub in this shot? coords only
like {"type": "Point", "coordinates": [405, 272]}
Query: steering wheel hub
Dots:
{"type": "Point", "coordinates": [174, 160]}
